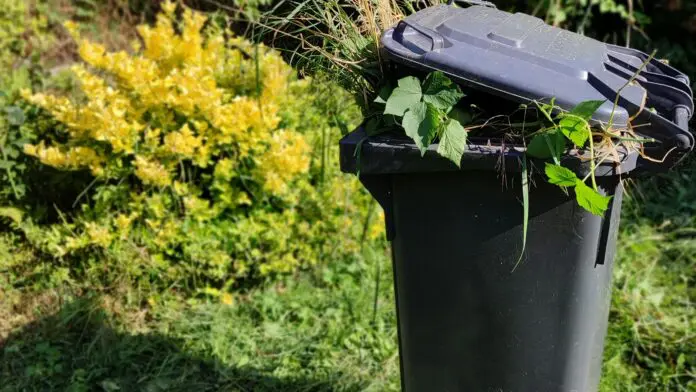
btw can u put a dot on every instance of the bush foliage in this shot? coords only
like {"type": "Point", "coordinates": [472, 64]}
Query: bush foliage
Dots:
{"type": "Point", "coordinates": [207, 162]}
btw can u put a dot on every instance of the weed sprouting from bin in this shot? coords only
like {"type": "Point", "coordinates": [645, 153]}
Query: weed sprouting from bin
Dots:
{"type": "Point", "coordinates": [428, 112]}
{"type": "Point", "coordinates": [525, 207]}
{"type": "Point", "coordinates": [431, 111]}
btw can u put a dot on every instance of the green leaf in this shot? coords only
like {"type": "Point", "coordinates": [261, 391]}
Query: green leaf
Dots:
{"type": "Point", "coordinates": [559, 175]}
{"type": "Point", "coordinates": [453, 142]}
{"type": "Point", "coordinates": [575, 128]}
{"type": "Point", "coordinates": [538, 147]}
{"type": "Point", "coordinates": [440, 91]}
{"type": "Point", "coordinates": [421, 122]}
{"type": "Point", "coordinates": [19, 143]}
{"type": "Point", "coordinates": [587, 109]}
{"type": "Point", "coordinates": [15, 115]}
{"type": "Point", "coordinates": [4, 165]}
{"type": "Point", "coordinates": [11, 213]}
{"type": "Point", "coordinates": [109, 386]}
{"type": "Point", "coordinates": [681, 360]}
{"type": "Point", "coordinates": [11, 152]}
{"type": "Point", "coordinates": [372, 126]}
{"type": "Point", "coordinates": [590, 199]}
{"type": "Point", "coordinates": [341, 124]}
{"type": "Point", "coordinates": [358, 154]}
{"type": "Point", "coordinates": [384, 94]}
{"type": "Point", "coordinates": [403, 97]}
{"type": "Point", "coordinates": [463, 116]}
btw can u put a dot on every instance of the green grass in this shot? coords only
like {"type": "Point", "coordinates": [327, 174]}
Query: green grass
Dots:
{"type": "Point", "coordinates": [319, 331]}
{"type": "Point", "coordinates": [316, 333]}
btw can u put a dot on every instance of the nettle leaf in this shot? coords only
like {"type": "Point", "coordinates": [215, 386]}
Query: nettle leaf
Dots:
{"type": "Point", "coordinates": [575, 128]}
{"type": "Point", "coordinates": [587, 109]}
{"type": "Point", "coordinates": [404, 96]}
{"type": "Point", "coordinates": [453, 142]}
{"type": "Point", "coordinates": [538, 147]}
{"type": "Point", "coordinates": [384, 94]}
{"type": "Point", "coordinates": [441, 91]}
{"type": "Point", "coordinates": [421, 123]}
{"type": "Point", "coordinates": [590, 199]}
{"type": "Point", "coordinates": [561, 176]}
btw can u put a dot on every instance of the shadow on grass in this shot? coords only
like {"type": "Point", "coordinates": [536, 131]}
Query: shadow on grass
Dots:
{"type": "Point", "coordinates": [80, 348]}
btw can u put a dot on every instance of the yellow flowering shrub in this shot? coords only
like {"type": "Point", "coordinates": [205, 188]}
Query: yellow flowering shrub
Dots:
{"type": "Point", "coordinates": [22, 29]}
{"type": "Point", "coordinates": [202, 147]}
{"type": "Point", "coordinates": [24, 34]}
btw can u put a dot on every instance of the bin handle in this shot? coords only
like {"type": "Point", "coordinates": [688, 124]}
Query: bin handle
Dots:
{"type": "Point", "coordinates": [681, 118]}
{"type": "Point", "coordinates": [473, 2]}
{"type": "Point", "coordinates": [437, 40]}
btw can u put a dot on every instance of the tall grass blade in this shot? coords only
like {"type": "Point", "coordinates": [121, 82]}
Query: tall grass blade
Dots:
{"type": "Point", "coordinates": [525, 203]}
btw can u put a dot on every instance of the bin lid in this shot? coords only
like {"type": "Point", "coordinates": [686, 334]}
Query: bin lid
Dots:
{"type": "Point", "coordinates": [521, 58]}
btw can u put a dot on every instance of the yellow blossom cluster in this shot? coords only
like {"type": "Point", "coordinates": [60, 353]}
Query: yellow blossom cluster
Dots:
{"type": "Point", "coordinates": [193, 135]}
{"type": "Point", "coordinates": [69, 158]}
{"type": "Point", "coordinates": [151, 172]}
{"type": "Point", "coordinates": [280, 162]}
{"type": "Point", "coordinates": [185, 97]}
{"type": "Point", "coordinates": [183, 142]}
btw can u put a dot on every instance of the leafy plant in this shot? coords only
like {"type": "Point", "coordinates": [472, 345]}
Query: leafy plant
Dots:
{"type": "Point", "coordinates": [336, 37]}
{"type": "Point", "coordinates": [428, 113]}
{"type": "Point", "coordinates": [587, 197]}
{"type": "Point", "coordinates": [199, 151]}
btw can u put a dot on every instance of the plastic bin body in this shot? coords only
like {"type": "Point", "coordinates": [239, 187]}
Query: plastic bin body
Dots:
{"type": "Point", "coordinates": [467, 321]}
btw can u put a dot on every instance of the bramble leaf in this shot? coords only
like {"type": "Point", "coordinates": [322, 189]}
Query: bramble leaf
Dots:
{"type": "Point", "coordinates": [404, 96]}
{"type": "Point", "coordinates": [421, 122]}
{"type": "Point", "coordinates": [538, 147]}
{"type": "Point", "coordinates": [575, 128]}
{"type": "Point", "coordinates": [590, 199]}
{"type": "Point", "coordinates": [384, 94]}
{"type": "Point", "coordinates": [453, 142]}
{"type": "Point", "coordinates": [440, 91]}
{"type": "Point", "coordinates": [586, 109]}
{"type": "Point", "coordinates": [559, 175]}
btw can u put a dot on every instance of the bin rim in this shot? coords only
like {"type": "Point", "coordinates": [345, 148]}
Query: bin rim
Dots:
{"type": "Point", "coordinates": [392, 153]}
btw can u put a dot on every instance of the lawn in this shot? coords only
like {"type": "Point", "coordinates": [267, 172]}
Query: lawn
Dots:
{"type": "Point", "coordinates": [324, 329]}
{"type": "Point", "coordinates": [229, 283]}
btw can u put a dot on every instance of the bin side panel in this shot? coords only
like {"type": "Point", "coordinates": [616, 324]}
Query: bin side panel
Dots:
{"type": "Point", "coordinates": [466, 321]}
